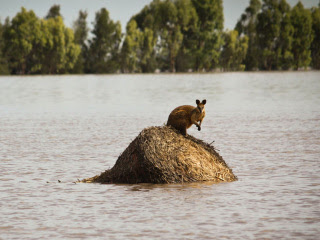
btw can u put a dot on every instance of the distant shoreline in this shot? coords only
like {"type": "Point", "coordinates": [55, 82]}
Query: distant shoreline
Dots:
{"type": "Point", "coordinates": [164, 73]}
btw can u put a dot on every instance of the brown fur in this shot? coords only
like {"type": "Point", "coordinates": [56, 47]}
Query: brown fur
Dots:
{"type": "Point", "coordinates": [181, 118]}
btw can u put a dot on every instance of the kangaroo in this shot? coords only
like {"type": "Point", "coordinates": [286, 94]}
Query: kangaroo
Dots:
{"type": "Point", "coordinates": [181, 118]}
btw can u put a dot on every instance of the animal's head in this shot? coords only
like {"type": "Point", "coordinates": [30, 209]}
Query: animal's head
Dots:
{"type": "Point", "coordinates": [200, 105]}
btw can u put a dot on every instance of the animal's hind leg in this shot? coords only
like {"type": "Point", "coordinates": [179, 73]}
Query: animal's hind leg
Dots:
{"type": "Point", "coordinates": [183, 131]}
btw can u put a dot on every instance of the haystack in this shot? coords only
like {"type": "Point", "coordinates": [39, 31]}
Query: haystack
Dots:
{"type": "Point", "coordinates": [162, 155]}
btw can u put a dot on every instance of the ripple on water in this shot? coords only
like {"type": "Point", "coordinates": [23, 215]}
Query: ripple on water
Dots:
{"type": "Point", "coordinates": [265, 126]}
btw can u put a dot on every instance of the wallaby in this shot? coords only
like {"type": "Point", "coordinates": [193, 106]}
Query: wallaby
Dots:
{"type": "Point", "coordinates": [181, 118]}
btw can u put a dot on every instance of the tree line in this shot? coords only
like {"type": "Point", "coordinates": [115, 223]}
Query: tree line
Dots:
{"type": "Point", "coordinates": [167, 36]}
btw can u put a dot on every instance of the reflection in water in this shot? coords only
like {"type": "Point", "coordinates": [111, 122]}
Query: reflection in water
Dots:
{"type": "Point", "coordinates": [65, 128]}
{"type": "Point", "coordinates": [176, 187]}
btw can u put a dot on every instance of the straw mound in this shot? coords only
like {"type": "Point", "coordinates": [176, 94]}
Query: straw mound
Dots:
{"type": "Point", "coordinates": [162, 155]}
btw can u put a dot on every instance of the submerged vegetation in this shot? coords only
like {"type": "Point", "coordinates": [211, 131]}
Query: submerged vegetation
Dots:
{"type": "Point", "coordinates": [166, 35]}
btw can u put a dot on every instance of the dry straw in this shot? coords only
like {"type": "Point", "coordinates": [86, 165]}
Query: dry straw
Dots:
{"type": "Point", "coordinates": [162, 155]}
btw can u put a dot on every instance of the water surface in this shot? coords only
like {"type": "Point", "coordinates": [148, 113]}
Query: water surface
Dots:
{"type": "Point", "coordinates": [64, 128]}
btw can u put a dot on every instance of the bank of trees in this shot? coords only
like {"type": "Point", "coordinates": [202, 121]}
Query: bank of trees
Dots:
{"type": "Point", "coordinates": [166, 35]}
{"type": "Point", "coordinates": [280, 37]}
{"type": "Point", "coordinates": [33, 45]}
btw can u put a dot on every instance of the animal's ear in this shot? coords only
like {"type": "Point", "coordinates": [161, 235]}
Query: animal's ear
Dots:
{"type": "Point", "coordinates": [197, 102]}
{"type": "Point", "coordinates": [204, 102]}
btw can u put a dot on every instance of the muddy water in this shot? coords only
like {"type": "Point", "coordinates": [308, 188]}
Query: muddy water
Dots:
{"type": "Point", "coordinates": [55, 130]}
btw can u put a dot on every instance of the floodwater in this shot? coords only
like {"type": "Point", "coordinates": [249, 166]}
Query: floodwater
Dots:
{"type": "Point", "coordinates": [57, 129]}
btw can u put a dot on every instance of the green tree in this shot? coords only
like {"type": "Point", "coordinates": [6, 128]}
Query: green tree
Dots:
{"type": "Point", "coordinates": [131, 48]}
{"type": "Point", "coordinates": [72, 51]}
{"type": "Point", "coordinates": [80, 37]}
{"type": "Point", "coordinates": [148, 53]}
{"type": "Point", "coordinates": [274, 35]}
{"type": "Point", "coordinates": [170, 34]}
{"type": "Point", "coordinates": [21, 41]}
{"type": "Point", "coordinates": [59, 52]}
{"type": "Point", "coordinates": [208, 33]}
{"type": "Point", "coordinates": [104, 48]}
{"type": "Point", "coordinates": [315, 46]}
{"type": "Point", "coordinates": [147, 23]}
{"type": "Point", "coordinates": [233, 51]}
{"type": "Point", "coordinates": [138, 50]}
{"type": "Point", "coordinates": [182, 41]}
{"type": "Point", "coordinates": [161, 17]}
{"type": "Point", "coordinates": [34, 45]}
{"type": "Point", "coordinates": [268, 31]}
{"type": "Point", "coordinates": [188, 22]}
{"type": "Point", "coordinates": [4, 69]}
{"type": "Point", "coordinates": [53, 12]}
{"type": "Point", "coordinates": [301, 21]}
{"type": "Point", "coordinates": [284, 43]}
{"type": "Point", "coordinates": [247, 26]}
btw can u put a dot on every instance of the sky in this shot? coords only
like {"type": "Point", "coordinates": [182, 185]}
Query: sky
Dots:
{"type": "Point", "coordinates": [120, 10]}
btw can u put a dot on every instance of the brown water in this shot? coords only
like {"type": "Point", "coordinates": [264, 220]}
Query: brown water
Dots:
{"type": "Point", "coordinates": [266, 125]}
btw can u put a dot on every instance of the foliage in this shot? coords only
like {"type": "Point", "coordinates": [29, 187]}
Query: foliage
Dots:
{"type": "Point", "coordinates": [104, 48]}
{"type": "Point", "coordinates": [301, 20]}
{"type": "Point", "coordinates": [159, 19]}
{"type": "Point", "coordinates": [274, 35]}
{"type": "Point", "coordinates": [187, 34]}
{"type": "Point", "coordinates": [247, 26]}
{"type": "Point", "coordinates": [167, 36]}
{"type": "Point", "coordinates": [284, 44]}
{"type": "Point", "coordinates": [188, 20]}
{"type": "Point", "coordinates": [53, 12]}
{"type": "Point", "coordinates": [60, 51]}
{"type": "Point", "coordinates": [315, 46]}
{"type": "Point", "coordinates": [280, 38]}
{"type": "Point", "coordinates": [131, 49]}
{"type": "Point", "coordinates": [80, 37]}
{"type": "Point", "coordinates": [170, 34]}
{"type": "Point", "coordinates": [21, 40]}
{"type": "Point", "coordinates": [208, 33]}
{"type": "Point", "coordinates": [4, 68]}
{"type": "Point", "coordinates": [33, 45]}
{"type": "Point", "coordinates": [233, 51]}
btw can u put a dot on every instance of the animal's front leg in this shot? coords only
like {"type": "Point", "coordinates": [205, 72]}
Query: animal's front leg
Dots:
{"type": "Point", "coordinates": [199, 127]}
